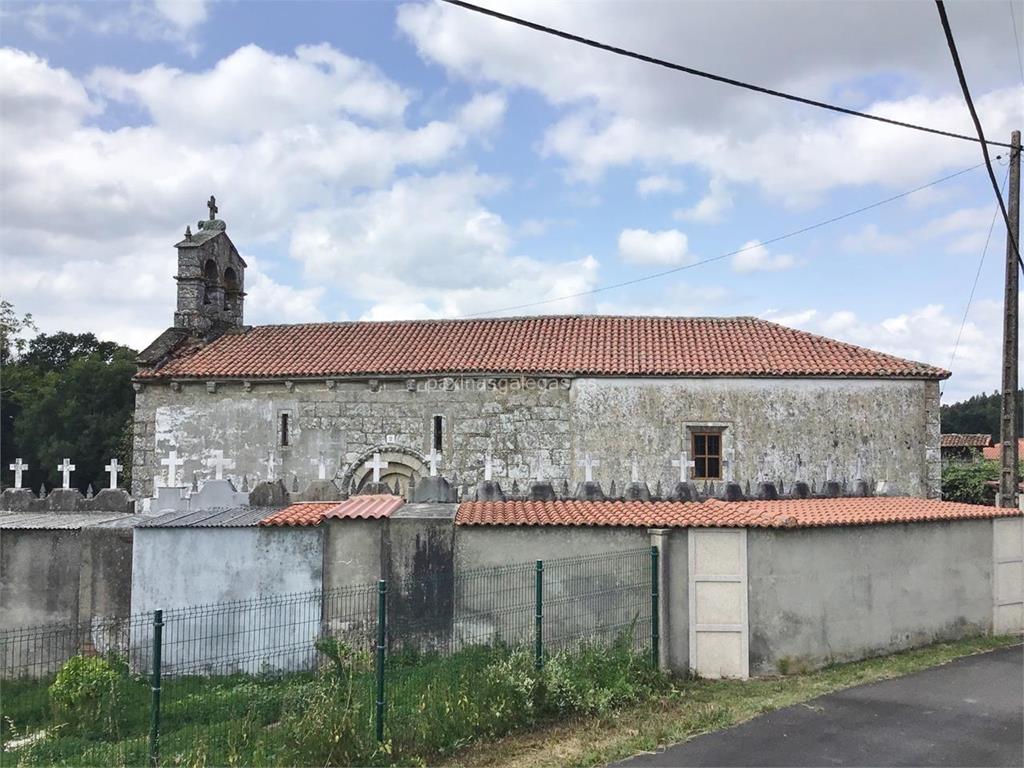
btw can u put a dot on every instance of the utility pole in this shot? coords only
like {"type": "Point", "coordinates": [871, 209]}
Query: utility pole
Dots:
{"type": "Point", "coordinates": [1008, 426]}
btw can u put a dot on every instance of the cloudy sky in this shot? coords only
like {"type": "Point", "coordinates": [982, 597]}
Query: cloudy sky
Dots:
{"type": "Point", "coordinates": [396, 160]}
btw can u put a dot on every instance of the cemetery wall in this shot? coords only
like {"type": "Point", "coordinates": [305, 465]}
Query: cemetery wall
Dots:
{"type": "Point", "coordinates": [832, 594]}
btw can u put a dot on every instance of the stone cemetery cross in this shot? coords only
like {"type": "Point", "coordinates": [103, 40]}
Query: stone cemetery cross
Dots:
{"type": "Point", "coordinates": [377, 465]}
{"type": "Point", "coordinates": [635, 472]}
{"type": "Point", "coordinates": [730, 460]}
{"type": "Point", "coordinates": [113, 468]}
{"type": "Point", "coordinates": [433, 458]}
{"type": "Point", "coordinates": [212, 205]}
{"type": "Point", "coordinates": [588, 465]}
{"type": "Point", "coordinates": [321, 467]}
{"type": "Point", "coordinates": [860, 467]}
{"type": "Point", "coordinates": [271, 464]}
{"type": "Point", "coordinates": [684, 465]}
{"type": "Point", "coordinates": [219, 464]}
{"type": "Point", "coordinates": [66, 468]}
{"type": "Point", "coordinates": [488, 467]}
{"type": "Point", "coordinates": [172, 462]}
{"type": "Point", "coordinates": [18, 467]}
{"type": "Point", "coordinates": [828, 470]}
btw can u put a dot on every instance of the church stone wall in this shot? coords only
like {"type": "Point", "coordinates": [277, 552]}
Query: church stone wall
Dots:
{"type": "Point", "coordinates": [538, 428]}
{"type": "Point", "coordinates": [891, 426]}
{"type": "Point", "coordinates": [523, 422]}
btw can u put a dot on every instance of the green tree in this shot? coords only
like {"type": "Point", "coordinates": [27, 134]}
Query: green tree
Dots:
{"type": "Point", "coordinates": [67, 394]}
{"type": "Point", "coordinates": [978, 415]}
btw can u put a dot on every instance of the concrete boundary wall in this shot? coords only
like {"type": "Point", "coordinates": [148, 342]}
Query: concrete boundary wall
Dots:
{"type": "Point", "coordinates": [832, 594]}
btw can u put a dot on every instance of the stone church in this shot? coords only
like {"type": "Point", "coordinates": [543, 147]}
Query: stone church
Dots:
{"type": "Point", "coordinates": [520, 399]}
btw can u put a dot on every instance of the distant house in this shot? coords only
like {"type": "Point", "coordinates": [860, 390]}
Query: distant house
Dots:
{"type": "Point", "coordinates": [959, 447]}
{"type": "Point", "coordinates": [992, 451]}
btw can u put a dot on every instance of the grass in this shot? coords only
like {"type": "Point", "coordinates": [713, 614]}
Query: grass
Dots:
{"type": "Point", "coordinates": [484, 706]}
{"type": "Point", "coordinates": [694, 707]}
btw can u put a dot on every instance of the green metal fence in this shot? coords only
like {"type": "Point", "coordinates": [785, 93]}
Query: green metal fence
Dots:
{"type": "Point", "coordinates": [370, 673]}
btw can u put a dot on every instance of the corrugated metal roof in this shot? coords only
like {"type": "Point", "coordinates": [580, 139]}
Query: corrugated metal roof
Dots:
{"type": "Point", "coordinates": [235, 517]}
{"type": "Point", "coordinates": [66, 521]}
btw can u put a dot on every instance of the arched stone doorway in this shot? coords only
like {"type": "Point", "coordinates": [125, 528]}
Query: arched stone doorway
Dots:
{"type": "Point", "coordinates": [404, 465]}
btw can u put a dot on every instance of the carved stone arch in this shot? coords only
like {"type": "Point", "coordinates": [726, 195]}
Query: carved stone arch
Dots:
{"type": "Point", "coordinates": [404, 464]}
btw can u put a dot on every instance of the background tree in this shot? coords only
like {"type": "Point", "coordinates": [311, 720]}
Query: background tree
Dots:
{"type": "Point", "coordinates": [65, 394]}
{"type": "Point", "coordinates": [978, 415]}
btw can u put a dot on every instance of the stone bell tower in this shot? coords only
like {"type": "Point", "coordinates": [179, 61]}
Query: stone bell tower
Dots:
{"type": "Point", "coordinates": [211, 279]}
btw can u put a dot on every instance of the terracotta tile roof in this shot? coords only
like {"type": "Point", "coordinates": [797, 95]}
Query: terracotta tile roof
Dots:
{"type": "Point", "coordinates": [992, 452]}
{"type": "Point", "coordinates": [797, 513]}
{"type": "Point", "coordinates": [554, 345]}
{"type": "Point", "coordinates": [314, 512]}
{"type": "Point", "coordinates": [954, 440]}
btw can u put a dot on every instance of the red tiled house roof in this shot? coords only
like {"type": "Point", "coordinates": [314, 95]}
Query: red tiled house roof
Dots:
{"type": "Point", "coordinates": [795, 513]}
{"type": "Point", "coordinates": [993, 452]}
{"type": "Point", "coordinates": [369, 507]}
{"type": "Point", "coordinates": [553, 345]}
{"type": "Point", "coordinates": [954, 440]}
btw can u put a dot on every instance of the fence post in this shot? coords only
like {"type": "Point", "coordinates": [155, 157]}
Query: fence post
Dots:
{"type": "Point", "coordinates": [538, 617]}
{"type": "Point", "coordinates": [655, 618]}
{"type": "Point", "coordinates": [382, 610]}
{"type": "Point", "coordinates": [154, 723]}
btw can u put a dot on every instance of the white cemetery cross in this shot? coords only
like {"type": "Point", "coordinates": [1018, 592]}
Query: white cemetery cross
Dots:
{"type": "Point", "coordinates": [271, 465]}
{"type": "Point", "coordinates": [635, 472]}
{"type": "Point", "coordinates": [588, 465]}
{"type": "Point", "coordinates": [488, 467]}
{"type": "Point", "coordinates": [113, 468]}
{"type": "Point", "coordinates": [219, 464]}
{"type": "Point", "coordinates": [860, 468]}
{"type": "Point", "coordinates": [685, 465]}
{"type": "Point", "coordinates": [18, 467]}
{"type": "Point", "coordinates": [828, 470]}
{"type": "Point", "coordinates": [377, 465]}
{"type": "Point", "coordinates": [172, 462]}
{"type": "Point", "coordinates": [66, 468]}
{"type": "Point", "coordinates": [433, 458]}
{"type": "Point", "coordinates": [321, 467]}
{"type": "Point", "coordinates": [730, 459]}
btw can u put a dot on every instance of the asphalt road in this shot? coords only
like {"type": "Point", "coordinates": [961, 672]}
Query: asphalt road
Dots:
{"type": "Point", "coordinates": [968, 712]}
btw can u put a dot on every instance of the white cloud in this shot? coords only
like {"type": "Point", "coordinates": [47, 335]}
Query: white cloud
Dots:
{"type": "Point", "coordinates": [458, 260]}
{"type": "Point", "coordinates": [90, 213]}
{"type": "Point", "coordinates": [657, 184]}
{"type": "Point", "coordinates": [965, 231]}
{"type": "Point", "coordinates": [926, 334]}
{"type": "Point", "coordinates": [621, 113]}
{"type": "Point", "coordinates": [640, 246]}
{"type": "Point", "coordinates": [184, 14]}
{"type": "Point", "coordinates": [754, 257]}
{"type": "Point", "coordinates": [709, 209]}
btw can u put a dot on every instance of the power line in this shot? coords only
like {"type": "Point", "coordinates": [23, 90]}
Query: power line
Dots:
{"type": "Point", "coordinates": [707, 75]}
{"type": "Point", "coordinates": [974, 285]}
{"type": "Point", "coordinates": [1016, 40]}
{"type": "Point", "coordinates": [758, 244]}
{"type": "Point", "coordinates": [977, 125]}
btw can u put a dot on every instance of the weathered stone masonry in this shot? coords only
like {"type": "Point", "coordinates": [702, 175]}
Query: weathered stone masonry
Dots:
{"type": "Point", "coordinates": [537, 429]}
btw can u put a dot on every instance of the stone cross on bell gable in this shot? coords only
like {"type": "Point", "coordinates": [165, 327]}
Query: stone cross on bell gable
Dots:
{"type": "Point", "coordinates": [377, 465]}
{"type": "Point", "coordinates": [18, 467]}
{"type": "Point", "coordinates": [271, 465]}
{"type": "Point", "coordinates": [433, 459]}
{"type": "Point", "coordinates": [321, 467]}
{"type": "Point", "coordinates": [588, 463]}
{"type": "Point", "coordinates": [685, 465]}
{"type": "Point", "coordinates": [212, 205]}
{"type": "Point", "coordinates": [113, 468]}
{"type": "Point", "coordinates": [66, 468]}
{"type": "Point", "coordinates": [219, 464]}
{"type": "Point", "coordinates": [488, 467]}
{"type": "Point", "coordinates": [172, 462]}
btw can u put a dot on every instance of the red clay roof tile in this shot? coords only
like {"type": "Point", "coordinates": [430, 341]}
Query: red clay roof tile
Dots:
{"type": "Point", "coordinates": [552, 345]}
{"type": "Point", "coordinates": [795, 513]}
{"type": "Point", "coordinates": [314, 512]}
{"type": "Point", "coordinates": [994, 452]}
{"type": "Point", "coordinates": [955, 440]}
